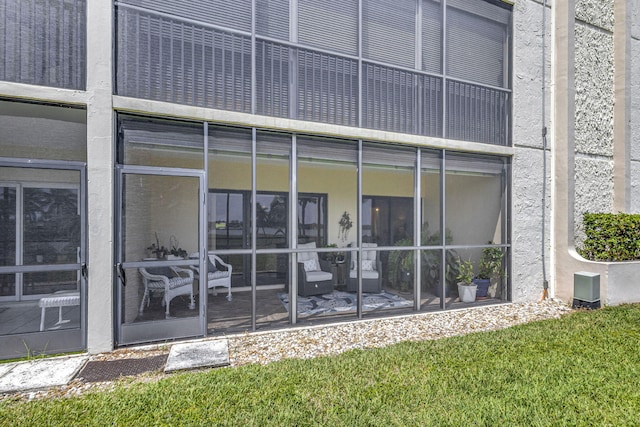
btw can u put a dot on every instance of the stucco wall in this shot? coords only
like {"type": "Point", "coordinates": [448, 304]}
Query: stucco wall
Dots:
{"type": "Point", "coordinates": [635, 106]}
{"type": "Point", "coordinates": [527, 272]}
{"type": "Point", "coordinates": [594, 101]}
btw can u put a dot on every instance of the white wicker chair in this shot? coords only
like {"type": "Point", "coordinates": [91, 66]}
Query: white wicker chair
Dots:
{"type": "Point", "coordinates": [180, 284]}
{"type": "Point", "coordinates": [219, 276]}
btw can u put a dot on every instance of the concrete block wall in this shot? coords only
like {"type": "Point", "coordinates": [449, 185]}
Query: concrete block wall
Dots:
{"type": "Point", "coordinates": [594, 102]}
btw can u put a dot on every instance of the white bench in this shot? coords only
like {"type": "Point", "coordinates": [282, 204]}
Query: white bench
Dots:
{"type": "Point", "coordinates": [58, 299]}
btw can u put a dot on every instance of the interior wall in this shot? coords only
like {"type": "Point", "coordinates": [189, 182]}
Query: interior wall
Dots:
{"type": "Point", "coordinates": [42, 132]}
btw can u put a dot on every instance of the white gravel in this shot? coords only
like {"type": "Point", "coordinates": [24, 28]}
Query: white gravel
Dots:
{"type": "Point", "coordinates": [309, 342]}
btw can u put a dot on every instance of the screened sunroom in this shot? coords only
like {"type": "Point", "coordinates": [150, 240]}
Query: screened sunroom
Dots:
{"type": "Point", "coordinates": [278, 221]}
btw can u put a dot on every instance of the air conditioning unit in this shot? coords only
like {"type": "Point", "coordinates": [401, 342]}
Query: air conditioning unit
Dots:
{"type": "Point", "coordinates": [586, 290]}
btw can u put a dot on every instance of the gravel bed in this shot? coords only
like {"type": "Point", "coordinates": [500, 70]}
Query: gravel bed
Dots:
{"type": "Point", "coordinates": [266, 347]}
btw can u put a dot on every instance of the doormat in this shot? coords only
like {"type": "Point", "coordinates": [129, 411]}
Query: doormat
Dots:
{"type": "Point", "coordinates": [343, 302]}
{"type": "Point", "coordinates": [98, 371]}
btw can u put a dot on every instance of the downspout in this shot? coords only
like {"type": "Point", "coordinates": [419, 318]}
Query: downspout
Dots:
{"type": "Point", "coordinates": [545, 281]}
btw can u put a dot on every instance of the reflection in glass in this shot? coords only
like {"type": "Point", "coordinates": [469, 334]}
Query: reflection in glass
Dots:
{"type": "Point", "coordinates": [475, 184]}
{"type": "Point", "coordinates": [7, 227]}
{"type": "Point", "coordinates": [51, 226]}
{"type": "Point", "coordinates": [159, 212]}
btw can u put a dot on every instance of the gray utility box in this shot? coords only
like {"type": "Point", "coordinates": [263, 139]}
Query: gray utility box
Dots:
{"type": "Point", "coordinates": [586, 289]}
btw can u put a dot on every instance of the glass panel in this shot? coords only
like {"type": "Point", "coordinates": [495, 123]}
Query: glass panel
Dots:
{"type": "Point", "coordinates": [272, 289]}
{"type": "Point", "coordinates": [50, 281]}
{"type": "Point", "coordinates": [430, 197]}
{"type": "Point", "coordinates": [51, 223]}
{"type": "Point", "coordinates": [229, 312]}
{"type": "Point", "coordinates": [272, 203]}
{"type": "Point", "coordinates": [42, 131]}
{"type": "Point", "coordinates": [312, 221]}
{"type": "Point", "coordinates": [388, 189]}
{"type": "Point", "coordinates": [397, 271]}
{"type": "Point", "coordinates": [431, 283]}
{"type": "Point", "coordinates": [229, 161]}
{"type": "Point", "coordinates": [155, 142]}
{"type": "Point", "coordinates": [229, 204]}
{"type": "Point", "coordinates": [327, 190]}
{"type": "Point", "coordinates": [51, 312]}
{"type": "Point", "coordinates": [160, 223]}
{"type": "Point", "coordinates": [475, 184]}
{"type": "Point", "coordinates": [8, 209]}
{"type": "Point", "coordinates": [7, 285]}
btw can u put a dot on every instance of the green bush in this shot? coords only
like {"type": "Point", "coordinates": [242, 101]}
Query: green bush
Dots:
{"type": "Point", "coordinates": [611, 237]}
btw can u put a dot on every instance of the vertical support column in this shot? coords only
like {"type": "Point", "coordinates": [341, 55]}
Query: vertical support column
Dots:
{"type": "Point", "coordinates": [100, 177]}
{"type": "Point", "coordinates": [622, 106]}
{"type": "Point", "coordinates": [563, 158]}
{"type": "Point", "coordinates": [293, 233]}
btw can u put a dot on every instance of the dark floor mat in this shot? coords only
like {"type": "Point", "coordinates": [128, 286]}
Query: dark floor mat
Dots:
{"type": "Point", "coordinates": [109, 370]}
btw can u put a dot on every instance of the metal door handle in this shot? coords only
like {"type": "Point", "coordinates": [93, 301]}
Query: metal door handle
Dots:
{"type": "Point", "coordinates": [121, 274]}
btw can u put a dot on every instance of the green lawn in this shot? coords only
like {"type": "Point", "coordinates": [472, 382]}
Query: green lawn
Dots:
{"type": "Point", "coordinates": [583, 369]}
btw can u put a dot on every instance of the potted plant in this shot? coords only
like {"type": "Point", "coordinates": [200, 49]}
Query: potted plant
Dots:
{"type": "Point", "coordinates": [401, 263]}
{"type": "Point", "coordinates": [490, 271]}
{"type": "Point", "coordinates": [466, 287]}
{"type": "Point", "coordinates": [345, 224]}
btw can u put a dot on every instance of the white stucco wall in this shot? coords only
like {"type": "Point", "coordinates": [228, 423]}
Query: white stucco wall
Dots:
{"type": "Point", "coordinates": [635, 106]}
{"type": "Point", "coordinates": [527, 269]}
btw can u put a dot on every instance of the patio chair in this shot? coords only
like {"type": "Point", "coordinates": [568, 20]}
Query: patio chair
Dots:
{"type": "Point", "coordinates": [371, 271]}
{"type": "Point", "coordinates": [218, 274]}
{"type": "Point", "coordinates": [172, 281]}
{"type": "Point", "coordinates": [314, 275]}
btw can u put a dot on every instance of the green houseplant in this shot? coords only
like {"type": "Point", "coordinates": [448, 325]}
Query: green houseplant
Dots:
{"type": "Point", "coordinates": [490, 271]}
{"type": "Point", "coordinates": [401, 262]}
{"type": "Point", "coordinates": [466, 287]}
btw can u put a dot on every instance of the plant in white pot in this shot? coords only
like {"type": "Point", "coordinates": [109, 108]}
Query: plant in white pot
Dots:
{"type": "Point", "coordinates": [466, 287]}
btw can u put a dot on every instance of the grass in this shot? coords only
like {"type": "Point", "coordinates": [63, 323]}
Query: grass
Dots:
{"type": "Point", "coordinates": [583, 369]}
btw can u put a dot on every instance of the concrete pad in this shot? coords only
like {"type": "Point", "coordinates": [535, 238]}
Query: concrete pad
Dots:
{"type": "Point", "coordinates": [41, 373]}
{"type": "Point", "coordinates": [5, 368]}
{"type": "Point", "coordinates": [198, 355]}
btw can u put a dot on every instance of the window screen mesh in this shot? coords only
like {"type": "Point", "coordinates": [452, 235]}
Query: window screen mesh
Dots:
{"type": "Point", "coordinates": [43, 42]}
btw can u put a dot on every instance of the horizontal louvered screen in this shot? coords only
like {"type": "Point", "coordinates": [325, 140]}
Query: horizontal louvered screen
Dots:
{"type": "Point", "coordinates": [327, 88]}
{"type": "Point", "coordinates": [477, 48]}
{"type": "Point", "coordinates": [330, 24]}
{"type": "Point", "coordinates": [401, 101]}
{"type": "Point", "coordinates": [432, 36]}
{"type": "Point", "coordinates": [184, 53]}
{"type": "Point", "coordinates": [272, 18]}
{"type": "Point", "coordinates": [43, 42]}
{"type": "Point", "coordinates": [174, 61]}
{"type": "Point", "coordinates": [272, 74]}
{"type": "Point", "coordinates": [388, 31]}
{"type": "Point", "coordinates": [232, 14]}
{"type": "Point", "coordinates": [476, 113]}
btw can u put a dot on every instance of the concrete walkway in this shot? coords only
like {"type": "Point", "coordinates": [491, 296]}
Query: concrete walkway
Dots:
{"type": "Point", "coordinates": [43, 373]}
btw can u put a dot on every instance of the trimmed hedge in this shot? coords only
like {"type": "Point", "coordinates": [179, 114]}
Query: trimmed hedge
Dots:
{"type": "Point", "coordinates": [611, 237]}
